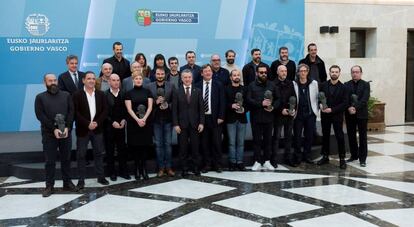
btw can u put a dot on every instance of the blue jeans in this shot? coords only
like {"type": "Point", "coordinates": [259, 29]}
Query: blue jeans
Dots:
{"type": "Point", "coordinates": [236, 132]}
{"type": "Point", "coordinates": [162, 139]}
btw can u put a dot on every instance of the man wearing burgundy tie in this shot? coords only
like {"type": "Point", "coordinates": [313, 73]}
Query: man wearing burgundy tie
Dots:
{"type": "Point", "coordinates": [188, 122]}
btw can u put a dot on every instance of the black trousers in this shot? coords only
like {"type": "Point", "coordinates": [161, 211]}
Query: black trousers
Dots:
{"type": "Point", "coordinates": [189, 157]}
{"type": "Point", "coordinates": [211, 143]}
{"type": "Point", "coordinates": [285, 123]}
{"type": "Point", "coordinates": [51, 147]}
{"type": "Point", "coordinates": [98, 152]}
{"type": "Point", "coordinates": [307, 126]}
{"type": "Point", "coordinates": [262, 135]}
{"type": "Point", "coordinates": [115, 138]}
{"type": "Point", "coordinates": [357, 151]}
{"type": "Point", "coordinates": [337, 124]}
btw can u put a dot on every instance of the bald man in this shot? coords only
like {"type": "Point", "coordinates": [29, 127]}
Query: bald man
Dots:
{"type": "Point", "coordinates": [220, 74]}
{"type": "Point", "coordinates": [102, 83]}
{"type": "Point", "coordinates": [54, 110]}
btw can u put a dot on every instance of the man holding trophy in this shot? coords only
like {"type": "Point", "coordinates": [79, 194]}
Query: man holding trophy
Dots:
{"type": "Point", "coordinates": [334, 99]}
{"type": "Point", "coordinates": [262, 100]}
{"type": "Point", "coordinates": [54, 109]}
{"type": "Point", "coordinates": [162, 91]}
{"type": "Point", "coordinates": [236, 120]}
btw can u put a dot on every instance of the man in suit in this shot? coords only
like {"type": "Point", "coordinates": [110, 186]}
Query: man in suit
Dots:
{"type": "Point", "coordinates": [249, 70]}
{"type": "Point", "coordinates": [333, 114]}
{"type": "Point", "coordinates": [188, 121]}
{"type": "Point", "coordinates": [220, 74]}
{"type": "Point", "coordinates": [71, 80]}
{"type": "Point", "coordinates": [162, 121]}
{"type": "Point", "coordinates": [90, 113]}
{"type": "Point", "coordinates": [119, 63]}
{"type": "Point", "coordinates": [357, 115]}
{"type": "Point", "coordinates": [114, 132]}
{"type": "Point", "coordinates": [214, 109]}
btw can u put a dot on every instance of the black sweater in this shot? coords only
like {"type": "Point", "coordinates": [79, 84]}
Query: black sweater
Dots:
{"type": "Point", "coordinates": [231, 115]}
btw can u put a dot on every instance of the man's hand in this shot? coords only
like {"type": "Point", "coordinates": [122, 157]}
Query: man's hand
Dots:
{"type": "Point", "coordinates": [266, 103]}
{"type": "Point", "coordinates": [219, 121]}
{"type": "Point", "coordinates": [327, 110]}
{"type": "Point", "coordinates": [200, 128]}
{"type": "Point", "coordinates": [92, 125]}
{"type": "Point", "coordinates": [235, 106]}
{"type": "Point", "coordinates": [351, 110]}
{"type": "Point", "coordinates": [159, 100]}
{"type": "Point", "coordinates": [177, 129]}
{"type": "Point", "coordinates": [285, 112]}
{"type": "Point", "coordinates": [57, 133]}
{"type": "Point", "coordinates": [293, 113]}
{"type": "Point", "coordinates": [122, 124]}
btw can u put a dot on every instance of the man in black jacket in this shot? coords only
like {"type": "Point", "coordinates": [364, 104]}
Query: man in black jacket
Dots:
{"type": "Point", "coordinates": [236, 120]}
{"type": "Point", "coordinates": [357, 115]}
{"type": "Point", "coordinates": [114, 132]}
{"type": "Point", "coordinates": [316, 65]}
{"type": "Point", "coordinates": [55, 135]}
{"type": "Point", "coordinates": [262, 99]}
{"type": "Point", "coordinates": [90, 113]}
{"type": "Point", "coordinates": [283, 60]}
{"type": "Point", "coordinates": [333, 114]}
{"type": "Point", "coordinates": [249, 70]}
{"type": "Point", "coordinates": [71, 80]}
{"type": "Point", "coordinates": [284, 116]}
{"type": "Point", "coordinates": [214, 108]}
{"type": "Point", "coordinates": [120, 65]}
{"type": "Point", "coordinates": [188, 122]}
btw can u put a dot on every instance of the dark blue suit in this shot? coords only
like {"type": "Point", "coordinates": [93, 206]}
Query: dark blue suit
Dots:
{"type": "Point", "coordinates": [211, 136]}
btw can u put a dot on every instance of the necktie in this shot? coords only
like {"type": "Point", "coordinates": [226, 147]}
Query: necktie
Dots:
{"type": "Point", "coordinates": [206, 93]}
{"type": "Point", "coordinates": [187, 94]}
{"type": "Point", "coordinates": [76, 79]}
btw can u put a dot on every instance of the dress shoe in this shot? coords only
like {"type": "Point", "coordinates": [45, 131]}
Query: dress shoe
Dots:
{"type": "Point", "coordinates": [324, 160]}
{"type": "Point", "coordinates": [80, 185]}
{"type": "Point", "coordinates": [196, 172]}
{"type": "Point", "coordinates": [256, 166]}
{"type": "Point", "coordinates": [267, 165]}
{"type": "Point", "coordinates": [351, 159]}
{"type": "Point", "coordinates": [69, 186]}
{"type": "Point", "coordinates": [342, 164]}
{"type": "Point", "coordinates": [184, 173]}
{"type": "Point", "coordinates": [232, 166]}
{"type": "Point", "coordinates": [103, 181]}
{"type": "Point", "coordinates": [205, 169]}
{"type": "Point", "coordinates": [137, 176]}
{"type": "Point", "coordinates": [48, 191]}
{"type": "Point", "coordinates": [363, 164]}
{"type": "Point", "coordinates": [112, 177]}
{"type": "Point", "coordinates": [125, 176]}
{"type": "Point", "coordinates": [241, 167]}
{"type": "Point", "coordinates": [160, 173]}
{"type": "Point", "coordinates": [308, 161]}
{"type": "Point", "coordinates": [170, 172]}
{"type": "Point", "coordinates": [217, 169]}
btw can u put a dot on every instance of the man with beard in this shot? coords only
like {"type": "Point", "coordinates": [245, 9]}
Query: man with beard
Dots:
{"type": "Point", "coordinates": [102, 83]}
{"type": "Point", "coordinates": [357, 115]}
{"type": "Point", "coordinates": [284, 117]}
{"type": "Point", "coordinates": [250, 69]}
{"type": "Point", "coordinates": [190, 56]}
{"type": "Point", "coordinates": [219, 74]}
{"type": "Point", "coordinates": [48, 105]}
{"type": "Point", "coordinates": [90, 113]}
{"type": "Point", "coordinates": [162, 121]}
{"type": "Point", "coordinates": [236, 121]}
{"type": "Point", "coordinates": [262, 116]}
{"type": "Point", "coordinates": [317, 69]}
{"type": "Point", "coordinates": [71, 80]}
{"type": "Point", "coordinates": [230, 65]}
{"type": "Point", "coordinates": [119, 63]}
{"type": "Point", "coordinates": [283, 60]}
{"type": "Point", "coordinates": [333, 114]}
{"type": "Point", "coordinates": [174, 75]}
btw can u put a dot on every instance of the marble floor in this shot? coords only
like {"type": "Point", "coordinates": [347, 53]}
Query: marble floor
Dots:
{"type": "Point", "coordinates": [381, 194]}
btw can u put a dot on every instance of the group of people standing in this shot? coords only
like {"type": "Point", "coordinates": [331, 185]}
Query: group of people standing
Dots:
{"type": "Point", "coordinates": [130, 107]}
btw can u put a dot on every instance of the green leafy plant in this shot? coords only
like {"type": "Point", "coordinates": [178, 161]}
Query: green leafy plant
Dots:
{"type": "Point", "coordinates": [371, 103]}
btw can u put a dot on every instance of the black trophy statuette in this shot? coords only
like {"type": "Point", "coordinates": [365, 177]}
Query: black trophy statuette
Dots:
{"type": "Point", "coordinates": [354, 100]}
{"type": "Point", "coordinates": [239, 100]}
{"type": "Point", "coordinates": [269, 95]}
{"type": "Point", "coordinates": [141, 110]}
{"type": "Point", "coordinates": [322, 99]}
{"type": "Point", "coordinates": [292, 104]}
{"type": "Point", "coordinates": [60, 123]}
{"type": "Point", "coordinates": [161, 93]}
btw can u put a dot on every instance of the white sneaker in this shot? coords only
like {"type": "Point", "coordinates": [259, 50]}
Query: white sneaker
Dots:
{"type": "Point", "coordinates": [257, 166]}
{"type": "Point", "coordinates": [268, 166]}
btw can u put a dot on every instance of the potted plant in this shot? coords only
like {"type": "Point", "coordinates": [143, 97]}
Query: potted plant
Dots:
{"type": "Point", "coordinates": [376, 115]}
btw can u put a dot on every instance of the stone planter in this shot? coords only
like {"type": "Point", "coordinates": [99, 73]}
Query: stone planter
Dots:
{"type": "Point", "coordinates": [376, 120]}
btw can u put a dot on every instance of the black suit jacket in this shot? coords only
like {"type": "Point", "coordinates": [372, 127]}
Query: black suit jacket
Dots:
{"type": "Point", "coordinates": [82, 114]}
{"type": "Point", "coordinates": [218, 100]}
{"type": "Point", "coordinates": [362, 90]}
{"type": "Point", "coordinates": [66, 83]}
{"type": "Point", "coordinates": [338, 101]}
{"type": "Point", "coordinates": [187, 114]}
{"type": "Point", "coordinates": [249, 72]}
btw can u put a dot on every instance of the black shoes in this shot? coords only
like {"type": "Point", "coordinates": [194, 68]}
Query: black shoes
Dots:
{"type": "Point", "coordinates": [49, 190]}
{"type": "Point", "coordinates": [69, 186]}
{"type": "Point", "coordinates": [184, 173]}
{"type": "Point", "coordinates": [363, 164]}
{"type": "Point", "coordinates": [81, 185]}
{"type": "Point", "coordinates": [205, 169]}
{"type": "Point", "coordinates": [342, 164]}
{"type": "Point", "coordinates": [324, 160]}
{"type": "Point", "coordinates": [103, 181]}
{"type": "Point", "coordinates": [308, 161]}
{"type": "Point", "coordinates": [112, 177]}
{"type": "Point", "coordinates": [125, 176]}
{"type": "Point", "coordinates": [241, 167]}
{"type": "Point", "coordinates": [351, 159]}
